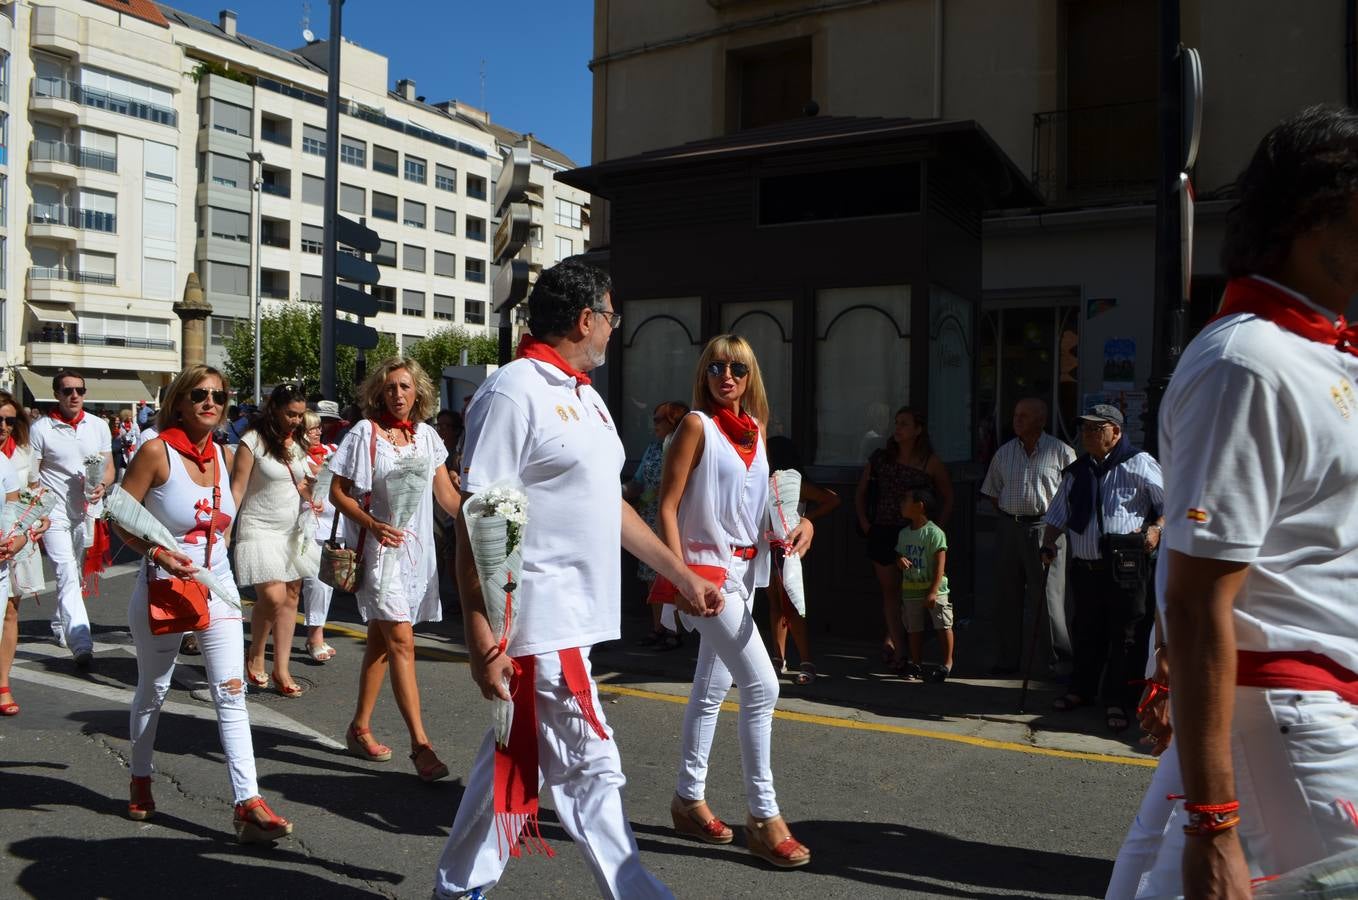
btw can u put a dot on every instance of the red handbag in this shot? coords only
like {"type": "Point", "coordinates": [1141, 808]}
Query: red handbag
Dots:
{"type": "Point", "coordinates": [176, 605]}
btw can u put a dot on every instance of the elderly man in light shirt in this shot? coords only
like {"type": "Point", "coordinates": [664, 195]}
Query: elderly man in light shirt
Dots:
{"type": "Point", "coordinates": [1023, 477]}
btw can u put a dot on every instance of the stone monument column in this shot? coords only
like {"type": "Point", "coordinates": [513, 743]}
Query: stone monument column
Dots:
{"type": "Point", "coordinates": [193, 311]}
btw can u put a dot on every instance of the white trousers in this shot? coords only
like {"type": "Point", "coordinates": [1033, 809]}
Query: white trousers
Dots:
{"type": "Point", "coordinates": [731, 651]}
{"type": "Point", "coordinates": [1296, 777]}
{"type": "Point", "coordinates": [316, 595]}
{"type": "Point", "coordinates": [223, 647]}
{"type": "Point", "coordinates": [585, 777]}
{"type": "Point", "coordinates": [1141, 847]}
{"type": "Point", "coordinates": [65, 545]}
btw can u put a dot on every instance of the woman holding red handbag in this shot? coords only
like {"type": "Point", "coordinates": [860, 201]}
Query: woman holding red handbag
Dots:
{"type": "Point", "coordinates": [181, 479]}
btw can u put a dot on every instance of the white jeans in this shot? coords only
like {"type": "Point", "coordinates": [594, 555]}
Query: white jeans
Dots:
{"type": "Point", "coordinates": [731, 651]}
{"type": "Point", "coordinates": [223, 647]}
{"type": "Point", "coordinates": [585, 776]}
{"type": "Point", "coordinates": [1140, 848]}
{"type": "Point", "coordinates": [1296, 774]}
{"type": "Point", "coordinates": [65, 544]}
{"type": "Point", "coordinates": [316, 595]}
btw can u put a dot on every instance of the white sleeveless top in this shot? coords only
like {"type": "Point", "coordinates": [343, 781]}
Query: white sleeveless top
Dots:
{"type": "Point", "coordinates": [725, 506]}
{"type": "Point", "coordinates": [184, 507]}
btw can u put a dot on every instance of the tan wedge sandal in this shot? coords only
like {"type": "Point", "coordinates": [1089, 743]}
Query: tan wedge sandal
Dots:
{"type": "Point", "coordinates": [788, 853]}
{"type": "Point", "coordinates": [688, 822]}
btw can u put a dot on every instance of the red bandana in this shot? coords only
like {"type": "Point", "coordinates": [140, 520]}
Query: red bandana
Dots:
{"type": "Point", "coordinates": [741, 430]}
{"type": "Point", "coordinates": [391, 423]}
{"type": "Point", "coordinates": [179, 440]}
{"type": "Point", "coordinates": [318, 452]}
{"type": "Point", "coordinates": [532, 348]}
{"type": "Point", "coordinates": [9, 446]}
{"type": "Point", "coordinates": [56, 414]}
{"type": "Point", "coordinates": [1251, 295]}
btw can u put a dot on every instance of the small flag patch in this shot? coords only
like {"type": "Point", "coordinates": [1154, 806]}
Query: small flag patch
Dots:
{"type": "Point", "coordinates": [1197, 515]}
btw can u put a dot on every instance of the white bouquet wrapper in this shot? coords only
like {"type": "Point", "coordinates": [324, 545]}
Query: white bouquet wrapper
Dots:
{"type": "Point", "coordinates": [785, 490]}
{"type": "Point", "coordinates": [24, 514]}
{"type": "Point", "coordinates": [496, 518]}
{"type": "Point", "coordinates": [132, 517]}
{"type": "Point", "coordinates": [320, 489]}
{"type": "Point", "coordinates": [1333, 876]}
{"type": "Point", "coordinates": [407, 484]}
{"type": "Point", "coordinates": [94, 476]}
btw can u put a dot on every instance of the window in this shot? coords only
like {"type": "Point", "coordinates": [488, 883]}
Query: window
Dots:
{"type": "Point", "coordinates": [412, 303]}
{"type": "Point", "coordinates": [445, 307]}
{"type": "Point", "coordinates": [98, 211]}
{"type": "Point", "coordinates": [313, 140]}
{"type": "Point", "coordinates": [384, 206]}
{"type": "Point", "coordinates": [313, 239]}
{"type": "Point", "coordinates": [768, 84]}
{"type": "Point", "coordinates": [353, 199]}
{"type": "Point", "coordinates": [157, 219]}
{"type": "Point", "coordinates": [274, 233]}
{"type": "Point", "coordinates": [416, 170]}
{"type": "Point", "coordinates": [313, 190]}
{"type": "Point", "coordinates": [159, 158]}
{"type": "Point", "coordinates": [157, 277]}
{"type": "Point", "coordinates": [386, 254]}
{"type": "Point", "coordinates": [414, 214]}
{"type": "Point", "coordinates": [474, 312]}
{"type": "Point", "coordinates": [476, 229]}
{"type": "Point", "coordinates": [564, 247]}
{"type": "Point", "coordinates": [97, 268]}
{"type": "Point", "coordinates": [445, 178]}
{"type": "Point", "coordinates": [273, 283]}
{"type": "Point", "coordinates": [311, 288]}
{"type": "Point", "coordinates": [567, 213]}
{"type": "Point", "coordinates": [412, 258]}
{"type": "Point", "coordinates": [476, 270]}
{"type": "Point", "coordinates": [476, 187]}
{"type": "Point", "coordinates": [228, 225]}
{"type": "Point", "coordinates": [222, 329]}
{"type": "Point", "coordinates": [227, 171]}
{"type": "Point", "coordinates": [353, 152]}
{"type": "Point", "coordinates": [445, 220]}
{"type": "Point", "coordinates": [275, 129]}
{"type": "Point", "coordinates": [231, 118]}
{"type": "Point", "coordinates": [659, 333]}
{"type": "Point", "coordinates": [226, 278]}
{"type": "Point", "coordinates": [386, 298]}
{"type": "Point", "coordinates": [385, 160]}
{"type": "Point", "coordinates": [445, 264]}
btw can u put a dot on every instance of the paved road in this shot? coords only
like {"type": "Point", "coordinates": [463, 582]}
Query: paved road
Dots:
{"type": "Point", "coordinates": [895, 796]}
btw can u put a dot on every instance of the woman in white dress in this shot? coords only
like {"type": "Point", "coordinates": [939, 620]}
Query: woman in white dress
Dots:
{"type": "Point", "coordinates": [392, 437]}
{"type": "Point", "coordinates": [25, 569]}
{"type": "Point", "coordinates": [316, 594]}
{"type": "Point", "coordinates": [274, 549]}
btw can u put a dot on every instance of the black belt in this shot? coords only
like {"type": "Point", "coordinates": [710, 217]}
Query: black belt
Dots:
{"type": "Point", "coordinates": [1023, 520]}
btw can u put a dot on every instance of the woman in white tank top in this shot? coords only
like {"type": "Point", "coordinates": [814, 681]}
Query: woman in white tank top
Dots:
{"type": "Point", "coordinates": [181, 478]}
{"type": "Point", "coordinates": [713, 514]}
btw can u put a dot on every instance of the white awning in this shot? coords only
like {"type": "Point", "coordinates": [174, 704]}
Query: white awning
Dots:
{"type": "Point", "coordinates": [52, 313]}
{"type": "Point", "coordinates": [108, 389]}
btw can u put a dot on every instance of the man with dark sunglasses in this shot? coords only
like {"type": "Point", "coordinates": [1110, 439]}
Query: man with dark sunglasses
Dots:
{"type": "Point", "coordinates": [61, 443]}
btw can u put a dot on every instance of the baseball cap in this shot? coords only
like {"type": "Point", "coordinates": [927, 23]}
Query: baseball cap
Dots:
{"type": "Point", "coordinates": [327, 409]}
{"type": "Point", "coordinates": [1103, 413]}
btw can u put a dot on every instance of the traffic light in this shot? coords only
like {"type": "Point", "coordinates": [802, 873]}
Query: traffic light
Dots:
{"type": "Point", "coordinates": [356, 270]}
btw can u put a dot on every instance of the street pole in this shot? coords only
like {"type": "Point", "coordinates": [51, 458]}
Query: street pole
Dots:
{"type": "Point", "coordinates": [332, 138]}
{"type": "Point", "coordinates": [256, 183]}
{"type": "Point", "coordinates": [1168, 337]}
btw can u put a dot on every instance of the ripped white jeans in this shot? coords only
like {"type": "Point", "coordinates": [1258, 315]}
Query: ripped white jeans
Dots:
{"type": "Point", "coordinates": [223, 647]}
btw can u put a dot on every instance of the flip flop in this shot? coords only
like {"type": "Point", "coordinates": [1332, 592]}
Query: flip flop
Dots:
{"type": "Point", "coordinates": [1117, 719]}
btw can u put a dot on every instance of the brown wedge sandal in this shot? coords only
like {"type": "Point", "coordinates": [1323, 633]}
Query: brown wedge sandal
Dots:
{"type": "Point", "coordinates": [688, 822]}
{"type": "Point", "coordinates": [789, 853]}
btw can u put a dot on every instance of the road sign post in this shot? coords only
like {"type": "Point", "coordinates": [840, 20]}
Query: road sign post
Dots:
{"type": "Point", "coordinates": [515, 223]}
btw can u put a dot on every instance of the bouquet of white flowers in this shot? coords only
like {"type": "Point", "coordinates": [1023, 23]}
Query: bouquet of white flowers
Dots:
{"type": "Point", "coordinates": [132, 517]}
{"type": "Point", "coordinates": [93, 466]}
{"type": "Point", "coordinates": [785, 490]}
{"type": "Point", "coordinates": [496, 518]}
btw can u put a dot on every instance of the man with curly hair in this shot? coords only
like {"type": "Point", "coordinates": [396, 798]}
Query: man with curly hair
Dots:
{"type": "Point", "coordinates": [1259, 428]}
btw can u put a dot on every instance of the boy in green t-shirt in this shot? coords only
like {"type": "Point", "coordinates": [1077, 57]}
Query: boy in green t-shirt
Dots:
{"type": "Point", "coordinates": [922, 553]}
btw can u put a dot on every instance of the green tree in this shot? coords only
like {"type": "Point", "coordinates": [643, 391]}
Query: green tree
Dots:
{"type": "Point", "coordinates": [444, 348]}
{"type": "Point", "coordinates": [290, 350]}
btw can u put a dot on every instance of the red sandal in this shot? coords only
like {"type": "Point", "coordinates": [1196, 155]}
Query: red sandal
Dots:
{"type": "Point", "coordinates": [11, 708]}
{"type": "Point", "coordinates": [269, 826]}
{"type": "Point", "coordinates": [687, 821]}
{"type": "Point", "coordinates": [789, 853]}
{"type": "Point", "coordinates": [142, 804]}
{"type": "Point", "coordinates": [370, 750]}
{"type": "Point", "coordinates": [432, 771]}
{"type": "Point", "coordinates": [291, 691]}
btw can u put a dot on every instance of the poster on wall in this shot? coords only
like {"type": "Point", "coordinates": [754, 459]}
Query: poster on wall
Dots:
{"type": "Point", "coordinates": [1133, 407]}
{"type": "Point", "coordinates": [1119, 364]}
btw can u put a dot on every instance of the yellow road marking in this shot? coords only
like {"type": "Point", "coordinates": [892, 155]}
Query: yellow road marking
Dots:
{"type": "Point", "coordinates": [443, 655]}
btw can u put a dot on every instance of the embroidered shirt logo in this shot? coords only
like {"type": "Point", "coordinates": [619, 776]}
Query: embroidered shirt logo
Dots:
{"type": "Point", "coordinates": [1343, 397]}
{"type": "Point", "coordinates": [1197, 515]}
{"type": "Point", "coordinates": [561, 411]}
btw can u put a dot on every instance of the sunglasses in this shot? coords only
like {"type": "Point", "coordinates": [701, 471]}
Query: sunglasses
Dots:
{"type": "Point", "coordinates": [198, 395]}
{"type": "Point", "coordinates": [718, 369]}
{"type": "Point", "coordinates": [10, 421]}
{"type": "Point", "coordinates": [68, 391]}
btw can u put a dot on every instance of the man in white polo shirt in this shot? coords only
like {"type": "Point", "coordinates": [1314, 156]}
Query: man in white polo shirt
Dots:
{"type": "Point", "coordinates": [539, 422]}
{"type": "Point", "coordinates": [61, 443]}
{"type": "Point", "coordinates": [1258, 435]}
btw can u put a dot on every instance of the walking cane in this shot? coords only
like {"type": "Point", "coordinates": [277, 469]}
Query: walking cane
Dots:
{"type": "Point", "coordinates": [1037, 630]}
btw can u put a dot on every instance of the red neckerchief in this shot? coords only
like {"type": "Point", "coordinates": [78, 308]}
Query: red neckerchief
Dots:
{"type": "Point", "coordinates": [56, 414]}
{"type": "Point", "coordinates": [9, 446]}
{"type": "Point", "coordinates": [532, 348]}
{"type": "Point", "coordinates": [179, 440]}
{"type": "Point", "coordinates": [1251, 295]}
{"type": "Point", "coordinates": [318, 452]}
{"type": "Point", "coordinates": [741, 430]}
{"type": "Point", "coordinates": [391, 423]}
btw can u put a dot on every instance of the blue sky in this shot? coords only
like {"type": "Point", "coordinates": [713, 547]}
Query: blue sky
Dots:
{"type": "Point", "coordinates": [536, 52]}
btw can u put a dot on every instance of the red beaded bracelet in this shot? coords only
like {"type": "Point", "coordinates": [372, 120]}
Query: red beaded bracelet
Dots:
{"type": "Point", "coordinates": [1210, 818]}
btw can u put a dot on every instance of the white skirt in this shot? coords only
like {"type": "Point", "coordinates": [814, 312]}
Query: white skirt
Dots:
{"type": "Point", "coordinates": [261, 558]}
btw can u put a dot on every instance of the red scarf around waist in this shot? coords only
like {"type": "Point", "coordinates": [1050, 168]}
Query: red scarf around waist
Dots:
{"type": "Point", "coordinates": [532, 348]}
{"type": "Point", "coordinates": [1298, 670]}
{"type": "Point", "coordinates": [177, 439]}
{"type": "Point", "coordinates": [516, 766]}
{"type": "Point", "coordinates": [1252, 295]}
{"type": "Point", "coordinates": [741, 430]}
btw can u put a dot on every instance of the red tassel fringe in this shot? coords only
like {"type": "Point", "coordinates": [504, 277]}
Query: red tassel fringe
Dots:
{"type": "Point", "coordinates": [522, 834]}
{"type": "Point", "coordinates": [96, 559]}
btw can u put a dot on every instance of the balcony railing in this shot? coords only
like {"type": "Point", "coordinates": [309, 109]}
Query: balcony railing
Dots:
{"type": "Point", "coordinates": [61, 89]}
{"type": "Point", "coordinates": [274, 136]}
{"type": "Point", "coordinates": [62, 152]}
{"type": "Point", "coordinates": [61, 273]}
{"type": "Point", "coordinates": [275, 240]}
{"type": "Point", "coordinates": [1095, 154]}
{"type": "Point", "coordinates": [73, 217]}
{"type": "Point", "coordinates": [278, 190]}
{"type": "Point", "coordinates": [57, 336]}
